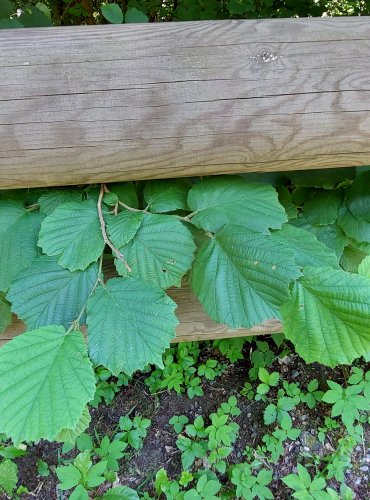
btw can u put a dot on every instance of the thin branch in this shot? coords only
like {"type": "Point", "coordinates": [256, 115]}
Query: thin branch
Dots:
{"type": "Point", "coordinates": [104, 231]}
{"type": "Point", "coordinates": [131, 208]}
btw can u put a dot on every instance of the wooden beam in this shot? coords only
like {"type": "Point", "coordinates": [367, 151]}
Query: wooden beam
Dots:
{"type": "Point", "coordinates": [109, 103]}
{"type": "Point", "coordinates": [194, 322]}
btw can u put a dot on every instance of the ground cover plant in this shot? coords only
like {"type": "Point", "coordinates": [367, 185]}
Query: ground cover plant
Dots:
{"type": "Point", "coordinates": [232, 441]}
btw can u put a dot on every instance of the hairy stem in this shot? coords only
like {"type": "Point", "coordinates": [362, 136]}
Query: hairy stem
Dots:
{"type": "Point", "coordinates": [115, 250]}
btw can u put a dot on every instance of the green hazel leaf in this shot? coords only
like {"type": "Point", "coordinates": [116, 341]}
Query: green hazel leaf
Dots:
{"type": "Point", "coordinates": [242, 277]}
{"type": "Point", "coordinates": [46, 381]}
{"type": "Point", "coordinates": [121, 493]}
{"type": "Point", "coordinates": [322, 207]}
{"type": "Point", "coordinates": [351, 259]}
{"type": "Point", "coordinates": [72, 232]}
{"type": "Point", "coordinates": [71, 435]}
{"type": "Point", "coordinates": [34, 17]}
{"type": "Point", "coordinates": [321, 178]}
{"type": "Point", "coordinates": [354, 228]}
{"type": "Point", "coordinates": [167, 195]}
{"type": "Point", "coordinates": [358, 197]}
{"type": "Point", "coordinates": [333, 237]}
{"type": "Point", "coordinates": [285, 198]}
{"type": "Point", "coordinates": [121, 228]}
{"type": "Point", "coordinates": [5, 313]}
{"type": "Point", "coordinates": [8, 477]}
{"type": "Point", "coordinates": [328, 316]}
{"type": "Point", "coordinates": [18, 240]}
{"type": "Point", "coordinates": [364, 267]}
{"type": "Point", "coordinates": [51, 199]}
{"type": "Point", "coordinates": [231, 200]}
{"type": "Point", "coordinates": [134, 15]}
{"type": "Point", "coordinates": [308, 251]}
{"type": "Point", "coordinates": [112, 12]}
{"type": "Point", "coordinates": [130, 324]}
{"type": "Point", "coordinates": [47, 294]}
{"type": "Point", "coordinates": [126, 192]}
{"type": "Point", "coordinates": [161, 252]}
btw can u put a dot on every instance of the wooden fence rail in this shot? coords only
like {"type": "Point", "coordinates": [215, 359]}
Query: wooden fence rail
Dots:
{"type": "Point", "coordinates": [110, 103]}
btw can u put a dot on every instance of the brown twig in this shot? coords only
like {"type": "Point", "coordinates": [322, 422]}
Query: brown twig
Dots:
{"type": "Point", "coordinates": [104, 231]}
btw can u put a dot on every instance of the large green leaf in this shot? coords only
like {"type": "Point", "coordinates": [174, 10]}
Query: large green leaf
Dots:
{"type": "Point", "coordinates": [358, 197]}
{"type": "Point", "coordinates": [231, 200]}
{"type": "Point", "coordinates": [167, 195]}
{"type": "Point", "coordinates": [47, 294]}
{"type": "Point", "coordinates": [322, 207]}
{"type": "Point", "coordinates": [328, 316]}
{"type": "Point", "coordinates": [357, 229]}
{"type": "Point", "coordinates": [5, 313]}
{"type": "Point", "coordinates": [18, 240]}
{"type": "Point", "coordinates": [46, 381]}
{"type": "Point", "coordinates": [130, 324]}
{"type": "Point", "coordinates": [72, 232]}
{"type": "Point", "coordinates": [364, 267]}
{"type": "Point", "coordinates": [161, 251]}
{"type": "Point", "coordinates": [51, 199]}
{"type": "Point", "coordinates": [321, 178]}
{"type": "Point", "coordinates": [70, 435]}
{"type": "Point", "coordinates": [351, 258]}
{"type": "Point", "coordinates": [242, 277]}
{"type": "Point", "coordinates": [333, 237]}
{"type": "Point", "coordinates": [126, 192]}
{"type": "Point", "coordinates": [121, 228]}
{"type": "Point", "coordinates": [308, 250]}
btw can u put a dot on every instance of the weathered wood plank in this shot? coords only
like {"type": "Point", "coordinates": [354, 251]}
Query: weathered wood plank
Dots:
{"type": "Point", "coordinates": [194, 322]}
{"type": "Point", "coordinates": [110, 103]}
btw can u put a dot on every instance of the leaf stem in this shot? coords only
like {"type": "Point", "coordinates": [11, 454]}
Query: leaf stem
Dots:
{"type": "Point", "coordinates": [76, 323]}
{"type": "Point", "coordinates": [131, 208]}
{"type": "Point", "coordinates": [115, 250]}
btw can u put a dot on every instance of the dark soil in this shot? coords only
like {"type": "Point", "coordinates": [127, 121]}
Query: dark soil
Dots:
{"type": "Point", "coordinates": [160, 449]}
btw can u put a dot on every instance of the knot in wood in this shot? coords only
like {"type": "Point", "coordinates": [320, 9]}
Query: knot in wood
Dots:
{"type": "Point", "coordinates": [265, 56]}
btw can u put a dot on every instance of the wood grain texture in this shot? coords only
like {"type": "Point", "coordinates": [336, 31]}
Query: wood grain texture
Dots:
{"type": "Point", "coordinates": [110, 103]}
{"type": "Point", "coordinates": [194, 322]}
